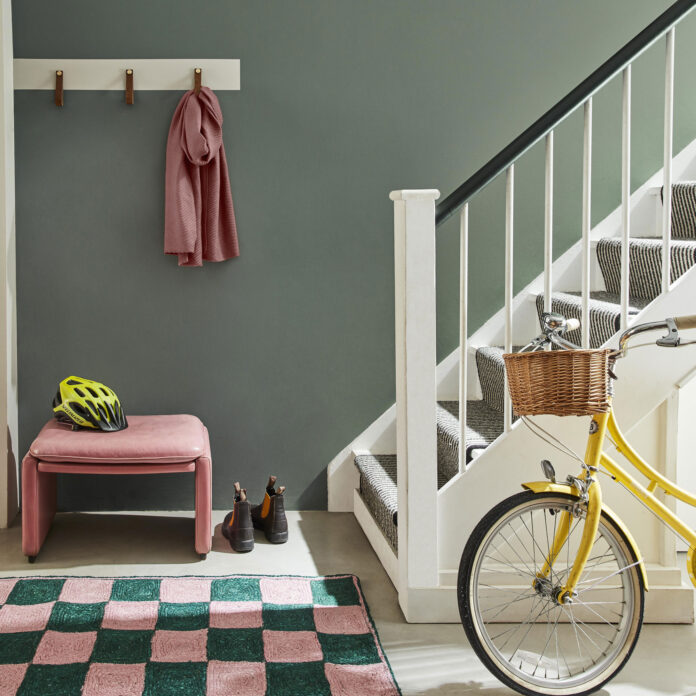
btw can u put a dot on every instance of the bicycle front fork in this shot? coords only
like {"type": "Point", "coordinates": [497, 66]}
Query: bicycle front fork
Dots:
{"type": "Point", "coordinates": [589, 495]}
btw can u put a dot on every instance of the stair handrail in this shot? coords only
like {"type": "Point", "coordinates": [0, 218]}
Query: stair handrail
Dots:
{"type": "Point", "coordinates": [563, 108]}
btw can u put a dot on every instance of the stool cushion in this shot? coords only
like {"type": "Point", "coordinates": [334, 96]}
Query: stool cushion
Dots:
{"type": "Point", "coordinates": [146, 440]}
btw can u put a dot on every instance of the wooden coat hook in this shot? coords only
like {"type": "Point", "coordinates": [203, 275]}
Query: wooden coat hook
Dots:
{"type": "Point", "coordinates": [197, 76]}
{"type": "Point", "coordinates": [59, 88]}
{"type": "Point", "coordinates": [129, 86]}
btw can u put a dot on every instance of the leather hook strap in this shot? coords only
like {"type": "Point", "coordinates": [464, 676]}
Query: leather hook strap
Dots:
{"type": "Point", "coordinates": [129, 87]}
{"type": "Point", "coordinates": [59, 88]}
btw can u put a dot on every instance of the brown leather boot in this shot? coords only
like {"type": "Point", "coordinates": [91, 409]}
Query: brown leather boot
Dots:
{"type": "Point", "coordinates": [237, 527]}
{"type": "Point", "coordinates": [270, 515]}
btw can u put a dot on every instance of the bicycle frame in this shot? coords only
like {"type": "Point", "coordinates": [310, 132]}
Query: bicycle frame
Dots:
{"type": "Point", "coordinates": [590, 492]}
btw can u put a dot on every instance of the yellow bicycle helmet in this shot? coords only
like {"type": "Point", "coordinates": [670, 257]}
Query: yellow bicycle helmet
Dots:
{"type": "Point", "coordinates": [84, 403]}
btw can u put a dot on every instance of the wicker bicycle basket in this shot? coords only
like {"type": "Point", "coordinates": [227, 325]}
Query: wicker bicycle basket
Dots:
{"type": "Point", "coordinates": [559, 382]}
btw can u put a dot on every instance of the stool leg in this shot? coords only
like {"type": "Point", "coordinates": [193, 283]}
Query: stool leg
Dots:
{"type": "Point", "coordinates": [204, 505]}
{"type": "Point", "coordinates": [38, 505]}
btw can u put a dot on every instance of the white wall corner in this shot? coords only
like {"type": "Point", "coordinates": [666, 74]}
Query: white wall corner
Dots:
{"type": "Point", "coordinates": [9, 491]}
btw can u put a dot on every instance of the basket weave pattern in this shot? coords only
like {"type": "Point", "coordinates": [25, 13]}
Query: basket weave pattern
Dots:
{"type": "Point", "coordinates": [559, 382]}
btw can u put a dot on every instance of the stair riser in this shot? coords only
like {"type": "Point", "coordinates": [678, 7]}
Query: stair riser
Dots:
{"type": "Point", "coordinates": [645, 265]}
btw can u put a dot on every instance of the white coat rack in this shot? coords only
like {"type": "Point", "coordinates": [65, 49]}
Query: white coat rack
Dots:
{"type": "Point", "coordinates": [129, 75]}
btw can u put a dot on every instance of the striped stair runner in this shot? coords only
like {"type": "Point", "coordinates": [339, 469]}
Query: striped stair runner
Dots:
{"type": "Point", "coordinates": [485, 417]}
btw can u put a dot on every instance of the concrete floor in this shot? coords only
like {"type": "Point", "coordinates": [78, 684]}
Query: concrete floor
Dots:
{"type": "Point", "coordinates": [427, 659]}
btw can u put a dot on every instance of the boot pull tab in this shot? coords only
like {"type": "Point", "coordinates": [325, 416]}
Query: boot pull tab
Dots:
{"type": "Point", "coordinates": [271, 483]}
{"type": "Point", "coordinates": [281, 490]}
{"type": "Point", "coordinates": [242, 495]}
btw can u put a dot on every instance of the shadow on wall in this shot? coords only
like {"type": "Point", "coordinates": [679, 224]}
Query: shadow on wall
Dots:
{"type": "Point", "coordinates": [11, 482]}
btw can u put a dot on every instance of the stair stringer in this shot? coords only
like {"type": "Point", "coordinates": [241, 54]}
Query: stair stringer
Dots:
{"type": "Point", "coordinates": [514, 458]}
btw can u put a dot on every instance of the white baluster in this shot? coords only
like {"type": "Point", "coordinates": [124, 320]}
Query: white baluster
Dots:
{"type": "Point", "coordinates": [509, 220]}
{"type": "Point", "coordinates": [586, 222]}
{"type": "Point", "coordinates": [548, 224]}
{"type": "Point", "coordinates": [667, 163]}
{"type": "Point", "coordinates": [416, 392]}
{"type": "Point", "coordinates": [463, 331]}
{"type": "Point", "coordinates": [625, 195]}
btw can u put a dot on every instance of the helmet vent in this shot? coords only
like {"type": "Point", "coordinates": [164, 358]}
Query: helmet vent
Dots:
{"type": "Point", "coordinates": [92, 392]}
{"type": "Point", "coordinates": [73, 382]}
{"type": "Point", "coordinates": [80, 392]}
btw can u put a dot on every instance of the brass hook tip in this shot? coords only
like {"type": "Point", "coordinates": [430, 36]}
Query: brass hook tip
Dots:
{"type": "Point", "coordinates": [198, 70]}
{"type": "Point", "coordinates": [129, 72]}
{"type": "Point", "coordinates": [59, 72]}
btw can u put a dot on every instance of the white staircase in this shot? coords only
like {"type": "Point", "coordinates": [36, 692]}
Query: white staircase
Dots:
{"type": "Point", "coordinates": [419, 528]}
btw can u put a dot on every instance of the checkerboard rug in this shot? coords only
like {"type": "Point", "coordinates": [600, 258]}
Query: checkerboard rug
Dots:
{"type": "Point", "coordinates": [184, 636]}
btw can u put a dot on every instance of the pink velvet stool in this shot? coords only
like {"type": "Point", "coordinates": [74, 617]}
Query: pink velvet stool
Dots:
{"type": "Point", "coordinates": [149, 445]}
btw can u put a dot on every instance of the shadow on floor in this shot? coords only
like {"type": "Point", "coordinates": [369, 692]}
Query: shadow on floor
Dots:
{"type": "Point", "coordinates": [83, 539]}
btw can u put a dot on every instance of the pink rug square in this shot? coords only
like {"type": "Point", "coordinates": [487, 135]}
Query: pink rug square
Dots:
{"type": "Point", "coordinates": [348, 680]}
{"type": "Point", "coordinates": [6, 586]}
{"type": "Point", "coordinates": [349, 619]}
{"type": "Point", "coordinates": [236, 614]}
{"type": "Point", "coordinates": [114, 680]}
{"type": "Point", "coordinates": [25, 617]}
{"type": "Point", "coordinates": [291, 646]}
{"type": "Point", "coordinates": [286, 591]}
{"type": "Point", "coordinates": [185, 589]}
{"type": "Point", "coordinates": [130, 616]}
{"type": "Point", "coordinates": [58, 648]}
{"type": "Point", "coordinates": [10, 678]}
{"type": "Point", "coordinates": [86, 590]}
{"type": "Point", "coordinates": [236, 678]}
{"type": "Point", "coordinates": [180, 646]}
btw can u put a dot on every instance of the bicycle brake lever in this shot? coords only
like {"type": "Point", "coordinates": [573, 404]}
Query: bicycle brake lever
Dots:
{"type": "Point", "coordinates": [671, 340]}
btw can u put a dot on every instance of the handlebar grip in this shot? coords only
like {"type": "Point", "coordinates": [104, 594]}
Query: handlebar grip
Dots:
{"type": "Point", "coordinates": [574, 324]}
{"type": "Point", "coordinates": [686, 322]}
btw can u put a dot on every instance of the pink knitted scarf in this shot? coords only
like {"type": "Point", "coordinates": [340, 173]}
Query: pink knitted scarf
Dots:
{"type": "Point", "coordinates": [199, 222]}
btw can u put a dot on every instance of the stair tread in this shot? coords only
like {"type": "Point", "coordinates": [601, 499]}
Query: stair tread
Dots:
{"type": "Point", "coordinates": [483, 425]}
{"type": "Point", "coordinates": [378, 477]}
{"type": "Point", "coordinates": [645, 264]}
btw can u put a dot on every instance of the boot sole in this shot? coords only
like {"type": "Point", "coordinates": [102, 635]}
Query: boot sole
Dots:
{"type": "Point", "coordinates": [242, 546]}
{"type": "Point", "coordinates": [277, 537]}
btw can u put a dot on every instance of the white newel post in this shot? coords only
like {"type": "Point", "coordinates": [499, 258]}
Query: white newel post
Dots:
{"type": "Point", "coordinates": [416, 392]}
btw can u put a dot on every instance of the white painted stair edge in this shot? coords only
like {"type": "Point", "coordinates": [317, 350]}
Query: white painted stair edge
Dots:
{"type": "Point", "coordinates": [380, 436]}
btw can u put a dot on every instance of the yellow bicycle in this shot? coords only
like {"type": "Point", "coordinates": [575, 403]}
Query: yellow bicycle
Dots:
{"type": "Point", "coordinates": [551, 583]}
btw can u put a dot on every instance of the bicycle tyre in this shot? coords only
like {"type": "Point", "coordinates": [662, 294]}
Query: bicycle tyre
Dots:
{"type": "Point", "coordinates": [470, 610]}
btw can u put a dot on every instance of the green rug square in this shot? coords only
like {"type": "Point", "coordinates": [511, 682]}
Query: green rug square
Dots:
{"type": "Point", "coordinates": [122, 647]}
{"type": "Point", "coordinates": [236, 590]}
{"type": "Point", "coordinates": [70, 617]}
{"type": "Point", "coordinates": [53, 680]}
{"type": "Point", "coordinates": [288, 617]}
{"type": "Point", "coordinates": [293, 678]}
{"type": "Point", "coordinates": [189, 616]}
{"type": "Point", "coordinates": [238, 645]}
{"type": "Point", "coordinates": [175, 679]}
{"type": "Point", "coordinates": [135, 590]}
{"type": "Point", "coordinates": [335, 592]}
{"type": "Point", "coordinates": [343, 649]}
{"type": "Point", "coordinates": [35, 591]}
{"type": "Point", "coordinates": [18, 648]}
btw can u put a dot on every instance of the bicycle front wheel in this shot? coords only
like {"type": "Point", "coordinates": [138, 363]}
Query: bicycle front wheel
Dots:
{"type": "Point", "coordinates": [512, 617]}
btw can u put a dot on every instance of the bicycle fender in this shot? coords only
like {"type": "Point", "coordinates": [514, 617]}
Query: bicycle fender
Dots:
{"type": "Point", "coordinates": [548, 487]}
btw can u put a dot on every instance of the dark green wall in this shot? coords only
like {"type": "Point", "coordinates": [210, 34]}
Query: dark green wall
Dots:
{"type": "Point", "coordinates": [287, 352]}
